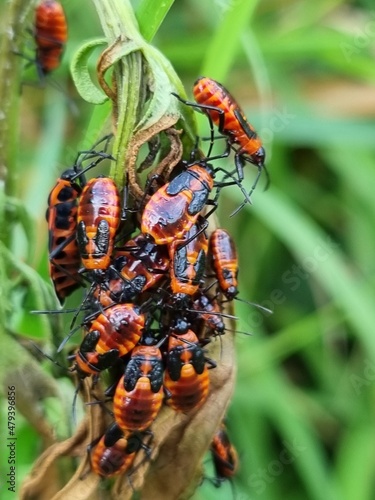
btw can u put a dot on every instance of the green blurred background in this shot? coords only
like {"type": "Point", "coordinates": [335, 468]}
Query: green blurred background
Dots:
{"type": "Point", "coordinates": [302, 416]}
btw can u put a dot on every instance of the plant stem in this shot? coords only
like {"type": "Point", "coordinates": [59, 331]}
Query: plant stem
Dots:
{"type": "Point", "coordinates": [10, 81]}
{"type": "Point", "coordinates": [118, 21]}
{"type": "Point", "coordinates": [117, 18]}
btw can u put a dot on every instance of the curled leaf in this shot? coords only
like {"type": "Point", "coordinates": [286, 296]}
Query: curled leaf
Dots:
{"type": "Point", "coordinates": [81, 74]}
{"type": "Point", "coordinates": [167, 163]}
{"type": "Point", "coordinates": [187, 114]}
{"type": "Point", "coordinates": [112, 55]}
{"type": "Point", "coordinates": [46, 478]}
{"type": "Point", "coordinates": [43, 481]}
{"type": "Point", "coordinates": [160, 87]}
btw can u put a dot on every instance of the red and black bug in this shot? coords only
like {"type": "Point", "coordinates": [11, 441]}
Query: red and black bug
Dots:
{"type": "Point", "coordinates": [224, 455]}
{"type": "Point", "coordinates": [113, 288]}
{"type": "Point", "coordinates": [139, 266]}
{"type": "Point", "coordinates": [64, 257]}
{"type": "Point", "coordinates": [209, 311]}
{"type": "Point", "coordinates": [186, 377]}
{"type": "Point", "coordinates": [188, 262]}
{"type": "Point", "coordinates": [223, 110]}
{"type": "Point", "coordinates": [98, 219]}
{"type": "Point", "coordinates": [224, 262]}
{"type": "Point", "coordinates": [61, 215]}
{"type": "Point", "coordinates": [112, 333]}
{"type": "Point", "coordinates": [115, 452]}
{"type": "Point", "coordinates": [139, 393]}
{"type": "Point", "coordinates": [141, 257]}
{"type": "Point", "coordinates": [174, 208]}
{"type": "Point", "coordinates": [88, 361]}
{"type": "Point", "coordinates": [50, 33]}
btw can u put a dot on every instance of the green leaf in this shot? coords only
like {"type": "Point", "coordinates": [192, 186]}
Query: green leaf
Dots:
{"type": "Point", "coordinates": [150, 15]}
{"type": "Point", "coordinates": [120, 48]}
{"type": "Point", "coordinates": [172, 105]}
{"type": "Point", "coordinates": [226, 39]}
{"type": "Point", "coordinates": [40, 293]}
{"type": "Point", "coordinates": [22, 217]}
{"type": "Point", "coordinates": [164, 80]}
{"type": "Point", "coordinates": [81, 75]}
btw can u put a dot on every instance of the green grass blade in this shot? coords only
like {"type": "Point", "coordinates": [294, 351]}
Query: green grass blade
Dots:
{"type": "Point", "coordinates": [289, 340]}
{"type": "Point", "coordinates": [274, 397]}
{"type": "Point", "coordinates": [355, 462]}
{"type": "Point", "coordinates": [226, 39]}
{"type": "Point", "coordinates": [313, 247]}
{"type": "Point", "coordinates": [150, 15]}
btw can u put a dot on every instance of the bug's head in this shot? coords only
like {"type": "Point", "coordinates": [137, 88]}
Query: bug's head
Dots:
{"type": "Point", "coordinates": [180, 325]}
{"type": "Point", "coordinates": [259, 157]}
{"type": "Point", "coordinates": [231, 292]}
{"type": "Point", "coordinates": [180, 301]}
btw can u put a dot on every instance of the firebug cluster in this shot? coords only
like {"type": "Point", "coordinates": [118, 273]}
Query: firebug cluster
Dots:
{"type": "Point", "coordinates": [153, 276]}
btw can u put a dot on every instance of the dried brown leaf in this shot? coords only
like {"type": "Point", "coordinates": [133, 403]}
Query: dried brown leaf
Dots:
{"type": "Point", "coordinates": [166, 165]}
{"type": "Point", "coordinates": [44, 481]}
{"type": "Point", "coordinates": [180, 441]}
{"type": "Point", "coordinates": [178, 445]}
{"type": "Point", "coordinates": [106, 60]}
{"type": "Point", "coordinates": [33, 385]}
